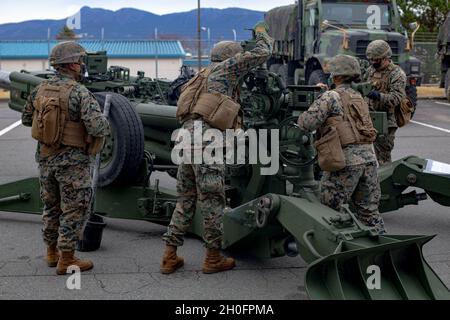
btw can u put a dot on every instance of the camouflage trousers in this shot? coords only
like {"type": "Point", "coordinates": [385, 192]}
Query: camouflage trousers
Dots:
{"type": "Point", "coordinates": [202, 185]}
{"type": "Point", "coordinates": [357, 185]}
{"type": "Point", "coordinates": [66, 193]}
{"type": "Point", "coordinates": [384, 146]}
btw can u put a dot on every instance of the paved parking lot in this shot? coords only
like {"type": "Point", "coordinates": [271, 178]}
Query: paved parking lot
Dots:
{"type": "Point", "coordinates": [127, 265]}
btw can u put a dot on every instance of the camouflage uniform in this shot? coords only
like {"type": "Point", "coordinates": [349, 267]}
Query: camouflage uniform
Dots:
{"type": "Point", "coordinates": [392, 93]}
{"type": "Point", "coordinates": [205, 183]}
{"type": "Point", "coordinates": [358, 181]}
{"type": "Point", "coordinates": [389, 84]}
{"type": "Point", "coordinates": [65, 177]}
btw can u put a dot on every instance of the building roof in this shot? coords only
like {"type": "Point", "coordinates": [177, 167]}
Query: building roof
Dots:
{"type": "Point", "coordinates": [194, 62]}
{"type": "Point", "coordinates": [23, 49]}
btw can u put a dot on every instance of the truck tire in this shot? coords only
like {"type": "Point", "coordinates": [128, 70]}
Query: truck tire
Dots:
{"type": "Point", "coordinates": [317, 76]}
{"type": "Point", "coordinates": [447, 84]}
{"type": "Point", "coordinates": [297, 77]}
{"type": "Point", "coordinates": [124, 149]}
{"type": "Point", "coordinates": [283, 73]}
{"type": "Point", "coordinates": [275, 67]}
{"type": "Point", "coordinates": [411, 92]}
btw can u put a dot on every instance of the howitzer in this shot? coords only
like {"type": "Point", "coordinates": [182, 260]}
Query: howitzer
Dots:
{"type": "Point", "coordinates": [267, 215]}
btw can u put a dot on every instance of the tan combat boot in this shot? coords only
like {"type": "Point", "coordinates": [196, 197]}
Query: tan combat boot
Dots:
{"type": "Point", "coordinates": [68, 259]}
{"type": "Point", "coordinates": [52, 256]}
{"type": "Point", "coordinates": [170, 261]}
{"type": "Point", "coordinates": [215, 262]}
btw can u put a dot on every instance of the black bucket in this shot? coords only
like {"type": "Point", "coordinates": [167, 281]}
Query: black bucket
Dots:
{"type": "Point", "coordinates": [92, 236]}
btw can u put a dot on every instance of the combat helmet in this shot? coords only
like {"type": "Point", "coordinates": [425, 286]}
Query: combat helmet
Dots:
{"type": "Point", "coordinates": [224, 50]}
{"type": "Point", "coordinates": [344, 65]}
{"type": "Point", "coordinates": [66, 52]}
{"type": "Point", "coordinates": [378, 49]}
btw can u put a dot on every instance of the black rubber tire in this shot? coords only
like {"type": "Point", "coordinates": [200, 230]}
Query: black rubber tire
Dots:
{"type": "Point", "coordinates": [128, 150]}
{"type": "Point", "coordinates": [275, 67]}
{"type": "Point", "coordinates": [447, 84]}
{"type": "Point", "coordinates": [317, 76]}
{"type": "Point", "coordinates": [411, 93]}
{"type": "Point", "coordinates": [283, 73]}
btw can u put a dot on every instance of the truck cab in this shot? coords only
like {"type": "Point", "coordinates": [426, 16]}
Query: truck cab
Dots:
{"type": "Point", "coordinates": [310, 32]}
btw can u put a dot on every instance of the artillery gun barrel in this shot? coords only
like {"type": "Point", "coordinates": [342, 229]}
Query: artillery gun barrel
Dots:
{"type": "Point", "coordinates": [29, 79]}
{"type": "Point", "coordinates": [159, 123]}
{"type": "Point", "coordinates": [5, 83]}
{"type": "Point", "coordinates": [160, 116]}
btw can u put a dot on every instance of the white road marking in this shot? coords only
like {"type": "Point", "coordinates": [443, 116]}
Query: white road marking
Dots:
{"type": "Point", "coordinates": [444, 103]}
{"type": "Point", "coordinates": [14, 125]}
{"type": "Point", "coordinates": [430, 126]}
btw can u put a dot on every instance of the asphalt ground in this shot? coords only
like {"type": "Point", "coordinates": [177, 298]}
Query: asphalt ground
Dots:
{"type": "Point", "coordinates": [127, 264]}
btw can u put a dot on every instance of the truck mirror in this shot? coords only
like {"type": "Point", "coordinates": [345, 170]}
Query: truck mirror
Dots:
{"type": "Point", "coordinates": [412, 26]}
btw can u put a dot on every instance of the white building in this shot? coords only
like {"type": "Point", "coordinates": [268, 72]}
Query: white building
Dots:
{"type": "Point", "coordinates": [137, 55]}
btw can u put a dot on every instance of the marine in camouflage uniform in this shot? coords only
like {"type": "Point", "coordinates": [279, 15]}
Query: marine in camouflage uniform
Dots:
{"type": "Point", "coordinates": [389, 82]}
{"type": "Point", "coordinates": [357, 183]}
{"type": "Point", "coordinates": [204, 184]}
{"type": "Point", "coordinates": [65, 178]}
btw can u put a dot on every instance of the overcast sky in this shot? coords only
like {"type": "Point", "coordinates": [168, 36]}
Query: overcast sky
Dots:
{"type": "Point", "coordinates": [22, 10]}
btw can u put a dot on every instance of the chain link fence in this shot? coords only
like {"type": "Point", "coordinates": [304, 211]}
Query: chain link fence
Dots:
{"type": "Point", "coordinates": [431, 65]}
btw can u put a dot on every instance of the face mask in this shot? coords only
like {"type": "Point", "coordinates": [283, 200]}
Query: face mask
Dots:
{"type": "Point", "coordinates": [330, 82]}
{"type": "Point", "coordinates": [377, 65]}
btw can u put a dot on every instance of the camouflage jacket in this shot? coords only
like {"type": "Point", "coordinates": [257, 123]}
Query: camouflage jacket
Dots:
{"type": "Point", "coordinates": [392, 89]}
{"type": "Point", "coordinates": [82, 106]}
{"type": "Point", "coordinates": [226, 75]}
{"type": "Point", "coordinates": [329, 104]}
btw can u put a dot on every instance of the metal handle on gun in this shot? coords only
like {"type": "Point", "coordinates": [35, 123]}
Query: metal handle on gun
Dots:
{"type": "Point", "coordinates": [106, 109]}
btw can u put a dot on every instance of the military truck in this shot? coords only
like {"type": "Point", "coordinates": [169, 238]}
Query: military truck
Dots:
{"type": "Point", "coordinates": [443, 48]}
{"type": "Point", "coordinates": [307, 34]}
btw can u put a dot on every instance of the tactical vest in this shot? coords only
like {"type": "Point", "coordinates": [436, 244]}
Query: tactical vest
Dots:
{"type": "Point", "coordinates": [217, 109]}
{"type": "Point", "coordinates": [403, 111]}
{"type": "Point", "coordinates": [52, 126]}
{"type": "Point", "coordinates": [379, 79]}
{"type": "Point", "coordinates": [355, 126]}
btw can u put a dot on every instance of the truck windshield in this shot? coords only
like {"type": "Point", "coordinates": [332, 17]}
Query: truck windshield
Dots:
{"type": "Point", "coordinates": [363, 15]}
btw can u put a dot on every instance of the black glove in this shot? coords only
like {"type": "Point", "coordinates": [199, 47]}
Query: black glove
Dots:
{"type": "Point", "coordinates": [374, 95]}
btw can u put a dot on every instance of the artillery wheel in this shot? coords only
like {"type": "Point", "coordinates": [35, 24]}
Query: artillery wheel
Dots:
{"type": "Point", "coordinates": [123, 153]}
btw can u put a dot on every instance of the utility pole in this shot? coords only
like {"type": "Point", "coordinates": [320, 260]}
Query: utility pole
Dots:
{"type": "Point", "coordinates": [208, 47]}
{"type": "Point", "coordinates": [48, 46]}
{"type": "Point", "coordinates": [157, 53]}
{"type": "Point", "coordinates": [199, 38]}
{"type": "Point", "coordinates": [103, 39]}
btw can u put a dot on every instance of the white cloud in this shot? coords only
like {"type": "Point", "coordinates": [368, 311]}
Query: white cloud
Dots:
{"type": "Point", "coordinates": [16, 11]}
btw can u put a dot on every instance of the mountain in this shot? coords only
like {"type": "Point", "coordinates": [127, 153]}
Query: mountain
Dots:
{"type": "Point", "coordinates": [131, 23]}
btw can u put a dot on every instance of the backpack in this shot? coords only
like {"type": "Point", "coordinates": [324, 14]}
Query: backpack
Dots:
{"type": "Point", "coordinates": [52, 126]}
